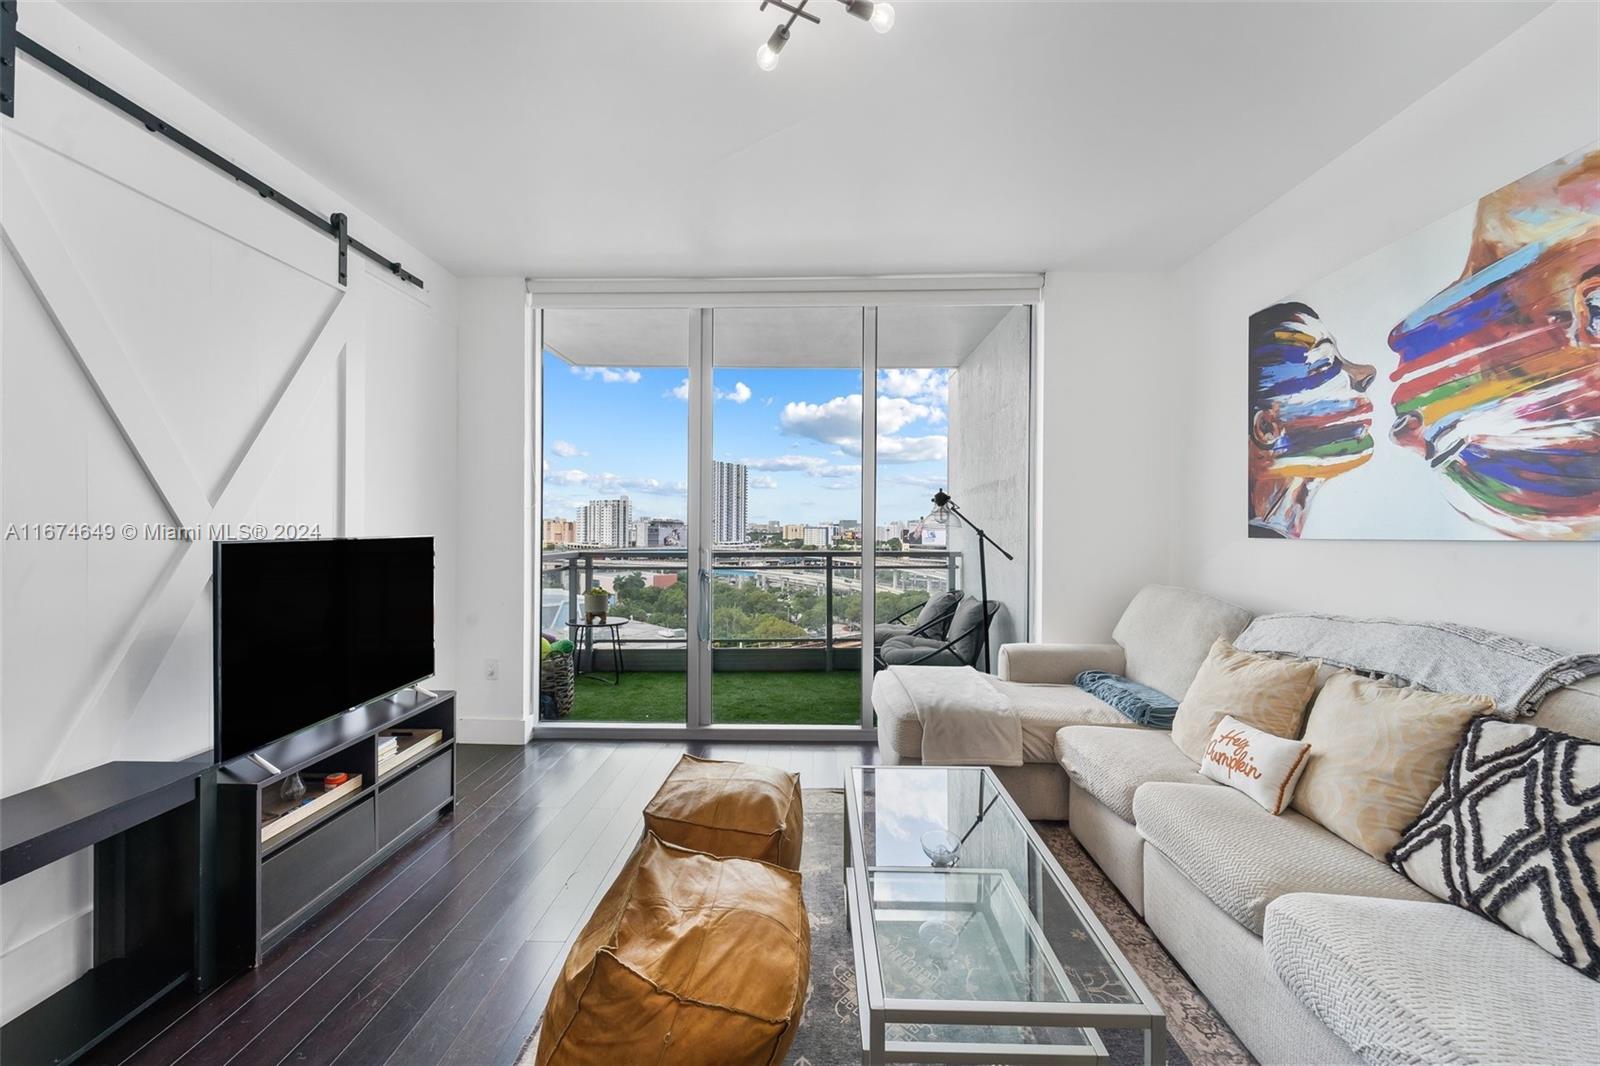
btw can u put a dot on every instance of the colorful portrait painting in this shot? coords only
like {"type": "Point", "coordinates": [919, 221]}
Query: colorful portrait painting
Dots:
{"type": "Point", "coordinates": [1446, 387]}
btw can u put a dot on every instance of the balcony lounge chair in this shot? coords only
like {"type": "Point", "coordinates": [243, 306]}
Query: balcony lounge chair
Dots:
{"type": "Point", "coordinates": [932, 620]}
{"type": "Point", "coordinates": [962, 644]}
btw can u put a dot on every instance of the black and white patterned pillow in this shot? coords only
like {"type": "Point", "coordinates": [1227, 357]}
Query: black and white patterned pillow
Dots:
{"type": "Point", "coordinates": [1513, 833]}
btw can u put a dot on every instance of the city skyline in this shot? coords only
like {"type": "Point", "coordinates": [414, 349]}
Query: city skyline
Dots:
{"type": "Point", "coordinates": [615, 430]}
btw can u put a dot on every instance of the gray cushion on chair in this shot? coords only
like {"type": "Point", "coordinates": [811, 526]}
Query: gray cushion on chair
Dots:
{"type": "Point", "coordinates": [918, 651]}
{"type": "Point", "coordinates": [1167, 631]}
{"type": "Point", "coordinates": [1404, 982]}
{"type": "Point", "coordinates": [937, 607]}
{"type": "Point", "coordinates": [966, 629]}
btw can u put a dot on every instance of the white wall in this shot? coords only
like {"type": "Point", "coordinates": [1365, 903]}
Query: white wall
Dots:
{"type": "Point", "coordinates": [1107, 449]}
{"type": "Point", "coordinates": [1521, 105]}
{"type": "Point", "coordinates": [496, 508]}
{"type": "Point", "coordinates": [176, 349]}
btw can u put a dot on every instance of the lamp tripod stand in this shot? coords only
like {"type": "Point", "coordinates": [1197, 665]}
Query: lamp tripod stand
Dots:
{"type": "Point", "coordinates": [946, 506]}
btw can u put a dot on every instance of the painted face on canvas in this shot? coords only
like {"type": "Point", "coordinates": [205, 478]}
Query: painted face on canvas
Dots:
{"type": "Point", "coordinates": [1309, 417]}
{"type": "Point", "coordinates": [1498, 383]}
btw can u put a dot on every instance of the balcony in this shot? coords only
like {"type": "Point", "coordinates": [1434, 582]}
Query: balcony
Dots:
{"type": "Point", "coordinates": [785, 628]}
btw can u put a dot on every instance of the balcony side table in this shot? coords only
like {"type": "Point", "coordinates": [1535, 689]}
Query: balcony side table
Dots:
{"type": "Point", "coordinates": [584, 631]}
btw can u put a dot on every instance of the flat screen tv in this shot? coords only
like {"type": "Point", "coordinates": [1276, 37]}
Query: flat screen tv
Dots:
{"type": "Point", "coordinates": [305, 630]}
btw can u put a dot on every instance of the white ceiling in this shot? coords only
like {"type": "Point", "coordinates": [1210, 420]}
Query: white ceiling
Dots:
{"type": "Point", "coordinates": [589, 139]}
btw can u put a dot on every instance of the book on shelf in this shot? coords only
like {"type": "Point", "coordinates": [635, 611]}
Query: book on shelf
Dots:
{"type": "Point", "coordinates": [409, 744]}
{"type": "Point", "coordinates": [278, 815]}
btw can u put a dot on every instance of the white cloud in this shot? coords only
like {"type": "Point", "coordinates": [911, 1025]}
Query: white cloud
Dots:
{"type": "Point", "coordinates": [763, 481]}
{"type": "Point", "coordinates": [609, 374]}
{"type": "Point", "coordinates": [612, 483]}
{"type": "Point", "coordinates": [929, 386]}
{"type": "Point", "coordinates": [932, 448]}
{"type": "Point", "coordinates": [679, 391]}
{"type": "Point", "coordinates": [566, 449]}
{"type": "Point", "coordinates": [838, 422]}
{"type": "Point", "coordinates": [740, 393]}
{"type": "Point", "coordinates": [810, 465]}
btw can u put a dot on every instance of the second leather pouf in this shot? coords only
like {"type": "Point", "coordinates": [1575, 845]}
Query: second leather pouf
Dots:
{"type": "Point", "coordinates": [730, 809]}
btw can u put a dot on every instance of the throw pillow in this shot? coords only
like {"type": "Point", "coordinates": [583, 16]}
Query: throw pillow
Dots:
{"type": "Point", "coordinates": [1267, 693]}
{"type": "Point", "coordinates": [1513, 833]}
{"type": "Point", "coordinates": [1262, 766]}
{"type": "Point", "coordinates": [1137, 703]}
{"type": "Point", "coordinates": [1377, 752]}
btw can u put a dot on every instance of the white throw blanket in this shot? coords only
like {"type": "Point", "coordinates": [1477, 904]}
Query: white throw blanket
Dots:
{"type": "Point", "coordinates": [965, 721]}
{"type": "Point", "coordinates": [1441, 656]}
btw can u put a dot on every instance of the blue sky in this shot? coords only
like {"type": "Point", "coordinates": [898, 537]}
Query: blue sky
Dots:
{"type": "Point", "coordinates": [610, 431]}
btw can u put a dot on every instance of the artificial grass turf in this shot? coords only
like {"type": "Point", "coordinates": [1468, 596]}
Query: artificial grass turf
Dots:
{"type": "Point", "coordinates": [749, 697]}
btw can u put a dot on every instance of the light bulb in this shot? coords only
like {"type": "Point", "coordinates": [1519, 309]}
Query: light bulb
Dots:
{"type": "Point", "coordinates": [882, 18]}
{"type": "Point", "coordinates": [766, 58]}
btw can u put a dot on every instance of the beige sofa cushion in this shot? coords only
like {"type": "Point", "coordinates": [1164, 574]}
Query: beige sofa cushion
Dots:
{"type": "Point", "coordinates": [1270, 694]}
{"type": "Point", "coordinates": [1111, 764]}
{"type": "Point", "coordinates": [1243, 858]}
{"type": "Point", "coordinates": [1408, 982]}
{"type": "Point", "coordinates": [1167, 631]}
{"type": "Point", "coordinates": [1377, 752]}
{"type": "Point", "coordinates": [1042, 709]}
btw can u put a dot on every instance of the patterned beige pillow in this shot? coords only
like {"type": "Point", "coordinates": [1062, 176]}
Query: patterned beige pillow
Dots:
{"type": "Point", "coordinates": [1270, 694]}
{"type": "Point", "coordinates": [1377, 753]}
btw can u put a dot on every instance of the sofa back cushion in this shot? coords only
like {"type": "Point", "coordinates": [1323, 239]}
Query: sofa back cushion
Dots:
{"type": "Point", "coordinates": [1167, 632]}
{"type": "Point", "coordinates": [1574, 710]}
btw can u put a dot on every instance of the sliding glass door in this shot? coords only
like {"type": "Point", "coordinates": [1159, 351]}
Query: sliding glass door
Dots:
{"type": "Point", "coordinates": [736, 507]}
{"type": "Point", "coordinates": [785, 516]}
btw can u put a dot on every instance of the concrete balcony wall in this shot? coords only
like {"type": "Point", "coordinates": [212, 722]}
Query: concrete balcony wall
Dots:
{"type": "Point", "coordinates": [989, 459]}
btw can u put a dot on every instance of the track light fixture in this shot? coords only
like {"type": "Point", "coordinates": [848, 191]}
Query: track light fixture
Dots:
{"type": "Point", "coordinates": [876, 13]}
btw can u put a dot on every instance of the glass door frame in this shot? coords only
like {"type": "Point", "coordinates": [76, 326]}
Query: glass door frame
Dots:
{"type": "Point", "coordinates": [706, 296]}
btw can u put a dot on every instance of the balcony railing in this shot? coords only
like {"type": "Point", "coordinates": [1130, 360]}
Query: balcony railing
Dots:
{"type": "Point", "coordinates": [801, 581]}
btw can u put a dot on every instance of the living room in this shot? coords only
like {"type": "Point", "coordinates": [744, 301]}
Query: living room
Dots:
{"type": "Point", "coordinates": [478, 477]}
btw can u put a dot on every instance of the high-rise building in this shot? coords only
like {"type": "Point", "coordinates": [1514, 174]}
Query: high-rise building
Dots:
{"type": "Point", "coordinates": [560, 531]}
{"type": "Point", "coordinates": [794, 531]}
{"type": "Point", "coordinates": [605, 523]}
{"type": "Point", "coordinates": [730, 503]}
{"type": "Point", "coordinates": [659, 533]}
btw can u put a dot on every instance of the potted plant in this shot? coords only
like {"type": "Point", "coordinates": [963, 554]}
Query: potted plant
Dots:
{"type": "Point", "coordinates": [595, 602]}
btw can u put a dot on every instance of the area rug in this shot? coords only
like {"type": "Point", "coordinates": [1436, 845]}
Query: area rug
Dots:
{"type": "Point", "coordinates": [830, 1030]}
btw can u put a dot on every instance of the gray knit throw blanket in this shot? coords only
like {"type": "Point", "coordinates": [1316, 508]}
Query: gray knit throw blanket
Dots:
{"type": "Point", "coordinates": [1440, 656]}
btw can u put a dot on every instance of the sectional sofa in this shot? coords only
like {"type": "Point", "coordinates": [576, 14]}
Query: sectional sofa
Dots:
{"type": "Point", "coordinates": [1312, 950]}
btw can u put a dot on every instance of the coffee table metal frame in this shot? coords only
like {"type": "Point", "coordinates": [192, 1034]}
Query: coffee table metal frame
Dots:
{"type": "Point", "coordinates": [878, 1011]}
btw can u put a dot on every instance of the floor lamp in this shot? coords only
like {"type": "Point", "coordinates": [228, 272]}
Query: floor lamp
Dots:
{"type": "Point", "coordinates": [947, 507]}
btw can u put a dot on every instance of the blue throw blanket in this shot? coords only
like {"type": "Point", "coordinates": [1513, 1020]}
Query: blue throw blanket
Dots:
{"type": "Point", "coordinates": [1138, 703]}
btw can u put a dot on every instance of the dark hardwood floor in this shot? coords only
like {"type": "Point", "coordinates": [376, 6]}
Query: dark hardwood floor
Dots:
{"type": "Point", "coordinates": [445, 953]}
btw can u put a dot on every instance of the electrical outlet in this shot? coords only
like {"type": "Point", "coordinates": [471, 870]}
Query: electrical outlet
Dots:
{"type": "Point", "coordinates": [491, 669]}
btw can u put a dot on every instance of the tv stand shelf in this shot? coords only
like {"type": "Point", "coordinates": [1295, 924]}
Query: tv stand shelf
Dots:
{"type": "Point", "coordinates": [267, 889]}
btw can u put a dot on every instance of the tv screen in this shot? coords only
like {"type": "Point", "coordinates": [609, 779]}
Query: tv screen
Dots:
{"type": "Point", "coordinates": [304, 630]}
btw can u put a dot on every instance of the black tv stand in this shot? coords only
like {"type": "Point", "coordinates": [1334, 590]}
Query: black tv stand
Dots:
{"type": "Point", "coordinates": [267, 889]}
{"type": "Point", "coordinates": [148, 825]}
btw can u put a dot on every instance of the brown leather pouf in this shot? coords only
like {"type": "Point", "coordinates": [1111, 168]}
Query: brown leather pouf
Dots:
{"type": "Point", "coordinates": [689, 960]}
{"type": "Point", "coordinates": [730, 809]}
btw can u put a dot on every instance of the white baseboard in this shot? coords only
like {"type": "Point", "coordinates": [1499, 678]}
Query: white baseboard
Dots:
{"type": "Point", "coordinates": [493, 730]}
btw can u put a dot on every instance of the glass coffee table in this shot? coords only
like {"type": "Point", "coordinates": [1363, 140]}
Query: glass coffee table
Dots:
{"type": "Point", "coordinates": [971, 944]}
